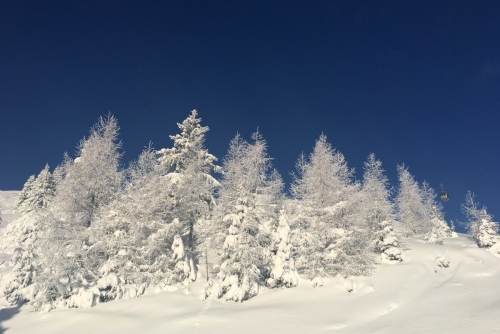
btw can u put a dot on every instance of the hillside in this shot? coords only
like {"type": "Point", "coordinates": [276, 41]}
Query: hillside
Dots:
{"type": "Point", "coordinates": [7, 201]}
{"type": "Point", "coordinates": [420, 295]}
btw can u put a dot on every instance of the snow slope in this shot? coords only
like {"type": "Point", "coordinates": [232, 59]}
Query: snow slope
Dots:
{"type": "Point", "coordinates": [7, 201]}
{"type": "Point", "coordinates": [420, 295]}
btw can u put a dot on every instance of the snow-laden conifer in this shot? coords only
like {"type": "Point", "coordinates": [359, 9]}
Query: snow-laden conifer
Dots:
{"type": "Point", "coordinates": [23, 259]}
{"type": "Point", "coordinates": [23, 200]}
{"type": "Point", "coordinates": [327, 236]}
{"type": "Point", "coordinates": [249, 195]}
{"type": "Point", "coordinates": [32, 203]}
{"type": "Point", "coordinates": [190, 168]}
{"type": "Point", "coordinates": [69, 262]}
{"type": "Point", "coordinates": [137, 232]}
{"type": "Point", "coordinates": [479, 222]}
{"type": "Point", "coordinates": [409, 204]}
{"type": "Point", "coordinates": [283, 272]}
{"type": "Point", "coordinates": [37, 192]}
{"type": "Point", "coordinates": [433, 215]}
{"type": "Point", "coordinates": [154, 224]}
{"type": "Point", "coordinates": [377, 211]}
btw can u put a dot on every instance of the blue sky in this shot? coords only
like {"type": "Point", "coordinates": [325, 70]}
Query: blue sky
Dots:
{"type": "Point", "coordinates": [415, 82]}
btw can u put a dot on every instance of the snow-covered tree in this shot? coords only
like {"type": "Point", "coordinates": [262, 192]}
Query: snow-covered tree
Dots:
{"type": "Point", "coordinates": [249, 196]}
{"type": "Point", "coordinates": [37, 192]}
{"type": "Point", "coordinates": [434, 216]}
{"type": "Point", "coordinates": [25, 264]}
{"type": "Point", "coordinates": [190, 166]}
{"type": "Point", "coordinates": [86, 184]}
{"type": "Point", "coordinates": [168, 195]}
{"type": "Point", "coordinates": [439, 231]}
{"type": "Point", "coordinates": [94, 177]}
{"type": "Point", "coordinates": [479, 222]}
{"type": "Point", "coordinates": [283, 272]}
{"type": "Point", "coordinates": [377, 211]}
{"type": "Point", "coordinates": [327, 237]}
{"type": "Point", "coordinates": [155, 217]}
{"type": "Point", "coordinates": [188, 147]}
{"type": "Point", "coordinates": [32, 204]}
{"type": "Point", "coordinates": [387, 242]}
{"type": "Point", "coordinates": [409, 204]}
{"type": "Point", "coordinates": [23, 202]}
{"type": "Point", "coordinates": [137, 232]}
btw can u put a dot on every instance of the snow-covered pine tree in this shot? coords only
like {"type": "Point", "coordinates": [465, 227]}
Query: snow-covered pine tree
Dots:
{"type": "Point", "coordinates": [20, 287]}
{"type": "Point", "coordinates": [88, 183]}
{"type": "Point", "coordinates": [32, 204]}
{"type": "Point", "coordinates": [377, 211]}
{"type": "Point", "coordinates": [189, 167]}
{"type": "Point", "coordinates": [283, 272]}
{"type": "Point", "coordinates": [167, 193]}
{"type": "Point", "coordinates": [246, 213]}
{"type": "Point", "coordinates": [23, 204]}
{"type": "Point", "coordinates": [327, 238]}
{"type": "Point", "coordinates": [434, 216]}
{"type": "Point", "coordinates": [41, 192]}
{"type": "Point", "coordinates": [410, 209]}
{"type": "Point", "coordinates": [479, 222]}
{"type": "Point", "coordinates": [137, 229]}
{"type": "Point", "coordinates": [94, 177]}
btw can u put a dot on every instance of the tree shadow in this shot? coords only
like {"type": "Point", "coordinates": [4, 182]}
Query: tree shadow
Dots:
{"type": "Point", "coordinates": [5, 314]}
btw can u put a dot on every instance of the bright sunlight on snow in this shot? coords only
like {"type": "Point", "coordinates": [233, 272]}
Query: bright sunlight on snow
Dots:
{"type": "Point", "coordinates": [450, 288]}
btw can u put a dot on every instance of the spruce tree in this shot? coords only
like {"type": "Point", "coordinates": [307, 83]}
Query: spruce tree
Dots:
{"type": "Point", "coordinates": [283, 272]}
{"type": "Point", "coordinates": [190, 168]}
{"type": "Point", "coordinates": [249, 196]}
{"type": "Point", "coordinates": [32, 203]}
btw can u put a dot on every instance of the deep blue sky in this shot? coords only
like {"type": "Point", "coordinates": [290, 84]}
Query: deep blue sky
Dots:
{"type": "Point", "coordinates": [415, 82]}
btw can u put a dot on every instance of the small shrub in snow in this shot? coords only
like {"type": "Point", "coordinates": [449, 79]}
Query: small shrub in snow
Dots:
{"type": "Point", "coordinates": [442, 262]}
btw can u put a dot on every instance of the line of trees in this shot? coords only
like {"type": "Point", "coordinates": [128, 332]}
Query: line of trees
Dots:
{"type": "Point", "coordinates": [92, 231]}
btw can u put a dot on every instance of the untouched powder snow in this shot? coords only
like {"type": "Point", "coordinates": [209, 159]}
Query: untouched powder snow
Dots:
{"type": "Point", "coordinates": [7, 201]}
{"type": "Point", "coordinates": [7, 214]}
{"type": "Point", "coordinates": [450, 288]}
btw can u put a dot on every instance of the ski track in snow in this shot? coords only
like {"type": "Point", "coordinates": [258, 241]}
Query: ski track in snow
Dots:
{"type": "Point", "coordinates": [201, 314]}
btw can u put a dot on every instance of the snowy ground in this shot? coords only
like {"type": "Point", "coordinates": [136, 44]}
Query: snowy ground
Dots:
{"type": "Point", "coordinates": [416, 296]}
{"type": "Point", "coordinates": [7, 200]}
